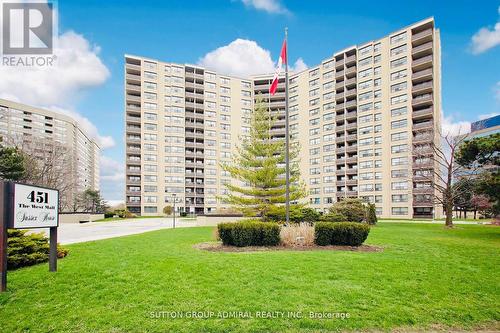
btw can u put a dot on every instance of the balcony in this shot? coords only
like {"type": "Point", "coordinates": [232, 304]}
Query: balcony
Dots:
{"type": "Point", "coordinates": [340, 183]}
{"type": "Point", "coordinates": [340, 150]}
{"type": "Point", "coordinates": [352, 193]}
{"type": "Point", "coordinates": [133, 129]}
{"type": "Point", "coordinates": [352, 182]}
{"type": "Point", "coordinates": [340, 128]}
{"type": "Point", "coordinates": [423, 165]}
{"type": "Point", "coordinates": [350, 82]}
{"type": "Point", "coordinates": [350, 72]}
{"type": "Point", "coordinates": [351, 115]}
{"type": "Point", "coordinates": [352, 148]}
{"type": "Point", "coordinates": [422, 63]}
{"type": "Point", "coordinates": [422, 37]}
{"type": "Point", "coordinates": [423, 125]}
{"type": "Point", "coordinates": [133, 77]}
{"type": "Point", "coordinates": [423, 87]}
{"type": "Point", "coordinates": [340, 63]}
{"type": "Point", "coordinates": [133, 171]}
{"type": "Point", "coordinates": [340, 106]}
{"type": "Point", "coordinates": [340, 97]}
{"type": "Point", "coordinates": [133, 98]}
{"type": "Point", "coordinates": [133, 119]}
{"type": "Point", "coordinates": [422, 50]}
{"type": "Point", "coordinates": [351, 137]}
{"type": "Point", "coordinates": [423, 75]}
{"type": "Point", "coordinates": [339, 74]}
{"type": "Point", "coordinates": [351, 126]}
{"type": "Point", "coordinates": [350, 92]}
{"type": "Point", "coordinates": [133, 87]}
{"type": "Point", "coordinates": [339, 117]}
{"type": "Point", "coordinates": [422, 203]}
{"type": "Point", "coordinates": [352, 159]}
{"type": "Point", "coordinates": [351, 171]}
{"type": "Point", "coordinates": [349, 105]}
{"type": "Point", "coordinates": [422, 100]}
{"type": "Point", "coordinates": [422, 190]}
{"type": "Point", "coordinates": [422, 138]}
{"type": "Point", "coordinates": [350, 60]}
{"type": "Point", "coordinates": [133, 67]}
{"type": "Point", "coordinates": [423, 113]}
{"type": "Point", "coordinates": [339, 85]}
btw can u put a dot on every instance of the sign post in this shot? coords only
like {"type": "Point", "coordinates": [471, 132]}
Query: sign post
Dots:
{"type": "Point", "coordinates": [23, 207]}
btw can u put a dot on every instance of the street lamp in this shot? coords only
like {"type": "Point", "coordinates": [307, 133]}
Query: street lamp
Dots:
{"type": "Point", "coordinates": [174, 196]}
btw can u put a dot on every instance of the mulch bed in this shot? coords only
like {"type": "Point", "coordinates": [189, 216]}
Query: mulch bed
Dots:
{"type": "Point", "coordinates": [218, 247]}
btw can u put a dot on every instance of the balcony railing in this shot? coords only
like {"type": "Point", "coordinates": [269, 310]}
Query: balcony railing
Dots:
{"type": "Point", "coordinates": [421, 48]}
{"type": "Point", "coordinates": [422, 34]}
{"type": "Point", "coordinates": [422, 86]}
{"type": "Point", "coordinates": [423, 60]}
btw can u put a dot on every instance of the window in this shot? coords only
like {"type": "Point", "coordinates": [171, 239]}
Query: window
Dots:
{"type": "Point", "coordinates": [398, 112]}
{"type": "Point", "coordinates": [398, 50]}
{"type": "Point", "coordinates": [365, 107]}
{"type": "Point", "coordinates": [399, 161]}
{"type": "Point", "coordinates": [364, 96]}
{"type": "Point", "coordinates": [365, 73]}
{"type": "Point", "coordinates": [399, 124]}
{"type": "Point", "coordinates": [398, 38]}
{"type": "Point", "coordinates": [399, 75]}
{"type": "Point", "coordinates": [399, 136]}
{"type": "Point", "coordinates": [398, 87]}
{"type": "Point", "coordinates": [365, 84]}
{"type": "Point", "coordinates": [398, 62]}
{"type": "Point", "coordinates": [399, 186]}
{"type": "Point", "coordinates": [365, 50]}
{"type": "Point", "coordinates": [399, 149]}
{"type": "Point", "coordinates": [403, 173]}
{"type": "Point", "coordinates": [365, 61]}
{"type": "Point", "coordinates": [399, 210]}
{"type": "Point", "coordinates": [400, 198]}
{"type": "Point", "coordinates": [399, 99]}
{"type": "Point", "coordinates": [365, 119]}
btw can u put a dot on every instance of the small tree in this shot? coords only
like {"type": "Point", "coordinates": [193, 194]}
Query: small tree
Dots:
{"type": "Point", "coordinates": [443, 171]}
{"type": "Point", "coordinates": [371, 214]}
{"type": "Point", "coordinates": [12, 165]}
{"type": "Point", "coordinates": [167, 210]}
{"type": "Point", "coordinates": [91, 201]}
{"type": "Point", "coordinates": [481, 203]}
{"type": "Point", "coordinates": [353, 210]}
{"type": "Point", "coordinates": [259, 165]}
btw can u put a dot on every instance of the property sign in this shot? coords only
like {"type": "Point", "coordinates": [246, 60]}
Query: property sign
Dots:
{"type": "Point", "coordinates": [35, 207]}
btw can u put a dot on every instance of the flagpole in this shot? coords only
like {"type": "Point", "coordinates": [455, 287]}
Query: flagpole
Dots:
{"type": "Point", "coordinates": [287, 135]}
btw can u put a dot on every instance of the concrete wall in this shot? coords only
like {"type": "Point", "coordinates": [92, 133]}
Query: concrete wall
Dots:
{"type": "Point", "coordinates": [79, 217]}
{"type": "Point", "coordinates": [209, 220]}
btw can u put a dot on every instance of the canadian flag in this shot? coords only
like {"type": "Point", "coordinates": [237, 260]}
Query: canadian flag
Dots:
{"type": "Point", "coordinates": [282, 60]}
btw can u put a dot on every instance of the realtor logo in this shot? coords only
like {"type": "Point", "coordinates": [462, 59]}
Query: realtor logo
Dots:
{"type": "Point", "coordinates": [27, 28]}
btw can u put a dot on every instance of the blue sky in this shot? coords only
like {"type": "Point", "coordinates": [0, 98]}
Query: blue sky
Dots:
{"type": "Point", "coordinates": [184, 31]}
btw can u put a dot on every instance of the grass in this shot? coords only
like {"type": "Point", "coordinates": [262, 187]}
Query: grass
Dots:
{"type": "Point", "coordinates": [426, 277]}
{"type": "Point", "coordinates": [110, 219]}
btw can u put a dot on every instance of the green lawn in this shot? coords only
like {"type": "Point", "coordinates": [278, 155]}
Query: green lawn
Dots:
{"type": "Point", "coordinates": [427, 277]}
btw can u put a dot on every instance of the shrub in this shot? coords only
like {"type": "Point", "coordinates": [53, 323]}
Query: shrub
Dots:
{"type": "Point", "coordinates": [353, 209]}
{"type": "Point", "coordinates": [168, 210]}
{"type": "Point", "coordinates": [371, 214]}
{"type": "Point", "coordinates": [249, 233]}
{"type": "Point", "coordinates": [298, 214]}
{"type": "Point", "coordinates": [348, 233]}
{"type": "Point", "coordinates": [333, 217]}
{"type": "Point", "coordinates": [29, 249]}
{"type": "Point", "coordinates": [300, 234]}
{"type": "Point", "coordinates": [109, 214]}
{"type": "Point", "coordinates": [183, 214]}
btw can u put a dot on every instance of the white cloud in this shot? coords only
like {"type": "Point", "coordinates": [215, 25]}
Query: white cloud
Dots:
{"type": "Point", "coordinates": [112, 178]}
{"type": "Point", "coordinates": [486, 38]}
{"type": "Point", "coordinates": [497, 91]}
{"type": "Point", "coordinates": [111, 169]}
{"type": "Point", "coordinates": [76, 68]}
{"type": "Point", "coordinates": [298, 66]}
{"type": "Point", "coordinates": [242, 58]}
{"type": "Point", "coordinates": [488, 115]}
{"type": "Point", "coordinates": [451, 127]}
{"type": "Point", "coordinates": [269, 6]}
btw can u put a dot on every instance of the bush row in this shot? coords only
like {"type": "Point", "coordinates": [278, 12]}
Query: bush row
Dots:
{"type": "Point", "coordinates": [249, 233]}
{"type": "Point", "coordinates": [29, 249]}
{"type": "Point", "coordinates": [256, 233]}
{"type": "Point", "coordinates": [344, 233]}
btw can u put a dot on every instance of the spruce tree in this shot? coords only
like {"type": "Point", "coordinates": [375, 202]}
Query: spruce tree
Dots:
{"type": "Point", "coordinates": [260, 166]}
{"type": "Point", "coordinates": [12, 165]}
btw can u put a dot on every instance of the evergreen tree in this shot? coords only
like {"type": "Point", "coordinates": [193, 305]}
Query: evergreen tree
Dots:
{"type": "Point", "coordinates": [260, 165]}
{"type": "Point", "coordinates": [371, 214]}
{"type": "Point", "coordinates": [12, 165]}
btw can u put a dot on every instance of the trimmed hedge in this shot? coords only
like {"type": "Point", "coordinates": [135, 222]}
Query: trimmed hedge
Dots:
{"type": "Point", "coordinates": [25, 249]}
{"type": "Point", "coordinates": [340, 233]}
{"type": "Point", "coordinates": [249, 233]}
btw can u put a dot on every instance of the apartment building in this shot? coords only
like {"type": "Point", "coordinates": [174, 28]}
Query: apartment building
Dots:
{"type": "Point", "coordinates": [39, 131]}
{"type": "Point", "coordinates": [359, 118]}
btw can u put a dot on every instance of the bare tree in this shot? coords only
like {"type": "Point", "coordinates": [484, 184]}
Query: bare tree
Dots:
{"type": "Point", "coordinates": [49, 163]}
{"type": "Point", "coordinates": [442, 170]}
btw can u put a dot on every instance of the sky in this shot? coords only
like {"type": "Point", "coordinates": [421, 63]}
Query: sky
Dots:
{"type": "Point", "coordinates": [243, 37]}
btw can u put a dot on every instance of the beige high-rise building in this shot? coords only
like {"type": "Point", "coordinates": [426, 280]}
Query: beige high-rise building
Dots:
{"type": "Point", "coordinates": [359, 117]}
{"type": "Point", "coordinates": [56, 138]}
